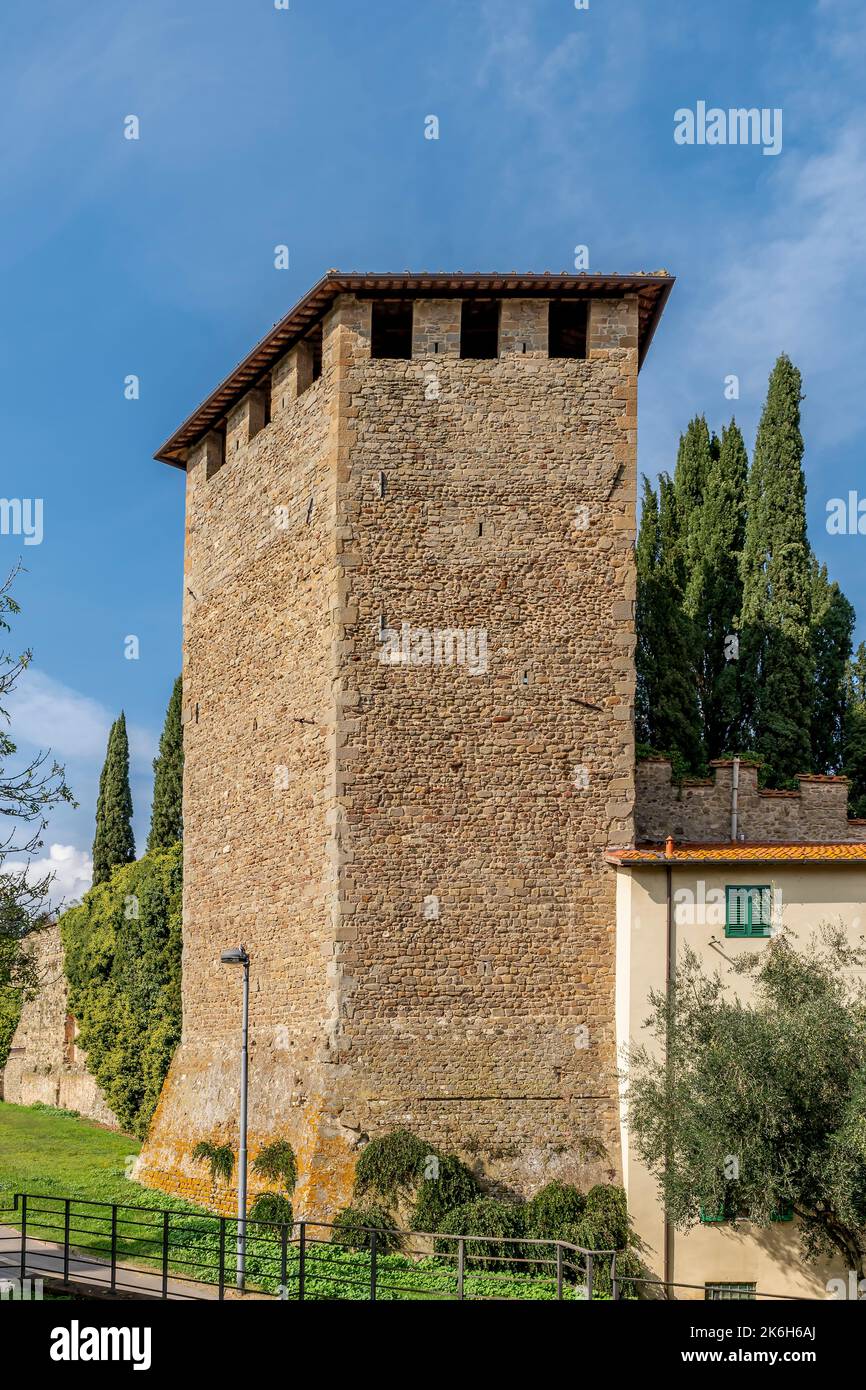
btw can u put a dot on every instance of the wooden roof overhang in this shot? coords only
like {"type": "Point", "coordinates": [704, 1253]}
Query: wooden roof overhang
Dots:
{"type": "Point", "coordinates": [652, 290]}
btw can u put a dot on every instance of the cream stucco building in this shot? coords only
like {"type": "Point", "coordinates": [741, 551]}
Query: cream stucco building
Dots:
{"type": "Point", "coordinates": [723, 899]}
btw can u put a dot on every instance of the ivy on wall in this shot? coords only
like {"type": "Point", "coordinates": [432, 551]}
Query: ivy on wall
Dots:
{"type": "Point", "coordinates": [122, 949]}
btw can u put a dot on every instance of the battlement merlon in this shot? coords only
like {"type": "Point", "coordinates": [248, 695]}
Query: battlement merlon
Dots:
{"type": "Point", "coordinates": [292, 334]}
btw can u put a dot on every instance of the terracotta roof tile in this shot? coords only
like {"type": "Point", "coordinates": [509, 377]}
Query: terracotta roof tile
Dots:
{"type": "Point", "coordinates": [846, 852]}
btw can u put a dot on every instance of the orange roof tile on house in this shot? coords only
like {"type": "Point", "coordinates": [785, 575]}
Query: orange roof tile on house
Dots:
{"type": "Point", "coordinates": [734, 853]}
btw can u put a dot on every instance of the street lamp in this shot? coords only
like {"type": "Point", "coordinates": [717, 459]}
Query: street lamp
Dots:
{"type": "Point", "coordinates": [238, 956]}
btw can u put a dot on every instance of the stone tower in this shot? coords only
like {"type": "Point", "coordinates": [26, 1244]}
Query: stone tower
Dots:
{"type": "Point", "coordinates": [408, 699]}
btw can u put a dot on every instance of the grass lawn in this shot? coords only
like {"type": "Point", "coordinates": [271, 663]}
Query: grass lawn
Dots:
{"type": "Point", "coordinates": [53, 1154]}
{"type": "Point", "coordinates": [50, 1152]}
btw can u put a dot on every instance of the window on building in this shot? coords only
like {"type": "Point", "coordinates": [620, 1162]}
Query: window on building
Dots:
{"type": "Point", "coordinates": [748, 911]}
{"type": "Point", "coordinates": [566, 328]}
{"type": "Point", "coordinates": [217, 453]}
{"type": "Point", "coordinates": [713, 1292]}
{"type": "Point", "coordinates": [391, 328]}
{"type": "Point", "coordinates": [712, 1216]}
{"type": "Point", "coordinates": [313, 341]}
{"type": "Point", "coordinates": [479, 328]}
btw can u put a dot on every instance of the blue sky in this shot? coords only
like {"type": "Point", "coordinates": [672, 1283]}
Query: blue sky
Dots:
{"type": "Point", "coordinates": [305, 127]}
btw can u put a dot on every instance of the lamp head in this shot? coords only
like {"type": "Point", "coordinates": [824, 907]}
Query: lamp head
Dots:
{"type": "Point", "coordinates": [236, 956]}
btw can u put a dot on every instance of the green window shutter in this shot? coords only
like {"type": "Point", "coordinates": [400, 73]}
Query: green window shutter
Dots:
{"type": "Point", "coordinates": [709, 1217]}
{"type": "Point", "coordinates": [783, 1214]}
{"type": "Point", "coordinates": [749, 910]}
{"type": "Point", "coordinates": [737, 912]}
{"type": "Point", "coordinates": [762, 911]}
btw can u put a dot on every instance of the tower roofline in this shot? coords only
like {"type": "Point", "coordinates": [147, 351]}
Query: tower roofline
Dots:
{"type": "Point", "coordinates": [651, 287]}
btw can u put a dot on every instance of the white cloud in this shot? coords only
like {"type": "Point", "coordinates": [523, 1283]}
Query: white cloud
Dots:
{"type": "Point", "coordinates": [788, 282]}
{"type": "Point", "coordinates": [72, 869]}
{"type": "Point", "coordinates": [47, 714]}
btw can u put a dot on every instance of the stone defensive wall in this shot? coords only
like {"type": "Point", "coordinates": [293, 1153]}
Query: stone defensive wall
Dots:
{"type": "Point", "coordinates": [700, 811]}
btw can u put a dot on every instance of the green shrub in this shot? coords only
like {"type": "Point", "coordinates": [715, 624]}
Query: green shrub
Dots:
{"type": "Point", "coordinates": [122, 957]}
{"type": "Point", "coordinates": [270, 1207]}
{"type": "Point", "coordinates": [218, 1157]}
{"type": "Point", "coordinates": [353, 1228]}
{"type": "Point", "coordinates": [553, 1211]}
{"type": "Point", "coordinates": [606, 1205]}
{"type": "Point", "coordinates": [605, 1225]}
{"type": "Point", "coordinates": [390, 1166]}
{"type": "Point", "coordinates": [277, 1163]}
{"type": "Point", "coordinates": [56, 1110]}
{"type": "Point", "coordinates": [11, 1000]}
{"type": "Point", "coordinates": [450, 1184]}
{"type": "Point", "coordinates": [504, 1222]}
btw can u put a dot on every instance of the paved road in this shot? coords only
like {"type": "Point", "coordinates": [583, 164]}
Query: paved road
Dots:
{"type": "Point", "coordinates": [45, 1258]}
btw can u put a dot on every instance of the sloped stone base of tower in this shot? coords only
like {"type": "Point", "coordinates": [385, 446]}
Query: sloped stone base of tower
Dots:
{"type": "Point", "coordinates": [514, 1146]}
{"type": "Point", "coordinates": [200, 1100]}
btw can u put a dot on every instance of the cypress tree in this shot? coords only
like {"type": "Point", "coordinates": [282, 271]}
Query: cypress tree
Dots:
{"type": "Point", "coordinates": [667, 712]}
{"type": "Point", "coordinates": [113, 843]}
{"type": "Point", "coordinates": [715, 592]}
{"type": "Point", "coordinates": [832, 626]}
{"type": "Point", "coordinates": [777, 667]}
{"type": "Point", "coordinates": [166, 817]}
{"type": "Point", "coordinates": [854, 765]}
{"type": "Point", "coordinates": [691, 475]}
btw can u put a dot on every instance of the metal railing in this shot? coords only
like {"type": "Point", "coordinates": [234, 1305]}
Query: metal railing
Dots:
{"type": "Point", "coordinates": [147, 1252]}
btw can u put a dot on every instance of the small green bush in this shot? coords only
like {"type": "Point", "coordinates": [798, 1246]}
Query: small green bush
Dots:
{"type": "Point", "coordinates": [452, 1186]}
{"type": "Point", "coordinates": [552, 1213]}
{"type": "Point", "coordinates": [605, 1225]}
{"type": "Point", "coordinates": [271, 1207]}
{"type": "Point", "coordinates": [353, 1228]}
{"type": "Point", "coordinates": [504, 1222]}
{"type": "Point", "coordinates": [56, 1110]}
{"type": "Point", "coordinates": [607, 1206]}
{"type": "Point", "coordinates": [11, 1000]}
{"type": "Point", "coordinates": [277, 1163]}
{"type": "Point", "coordinates": [391, 1165]}
{"type": "Point", "coordinates": [218, 1157]}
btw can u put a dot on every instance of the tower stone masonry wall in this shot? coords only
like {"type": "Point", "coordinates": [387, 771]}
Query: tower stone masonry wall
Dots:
{"type": "Point", "coordinates": [412, 851]}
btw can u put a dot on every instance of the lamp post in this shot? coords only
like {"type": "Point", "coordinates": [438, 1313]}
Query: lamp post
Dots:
{"type": "Point", "coordinates": [238, 956]}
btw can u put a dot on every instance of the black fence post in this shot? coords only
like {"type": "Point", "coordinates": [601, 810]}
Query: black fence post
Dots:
{"type": "Point", "coordinates": [222, 1257]}
{"type": "Point", "coordinates": [373, 1267]}
{"type": "Point", "coordinates": [284, 1261]}
{"type": "Point", "coordinates": [66, 1226]}
{"type": "Point", "coordinates": [558, 1269]}
{"type": "Point", "coordinates": [165, 1254]}
{"type": "Point", "coordinates": [590, 1274]}
{"type": "Point", "coordinates": [461, 1266]}
{"type": "Point", "coordinates": [614, 1282]}
{"type": "Point", "coordinates": [23, 1237]}
{"type": "Point", "coordinates": [113, 1247]}
{"type": "Point", "coordinates": [302, 1259]}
